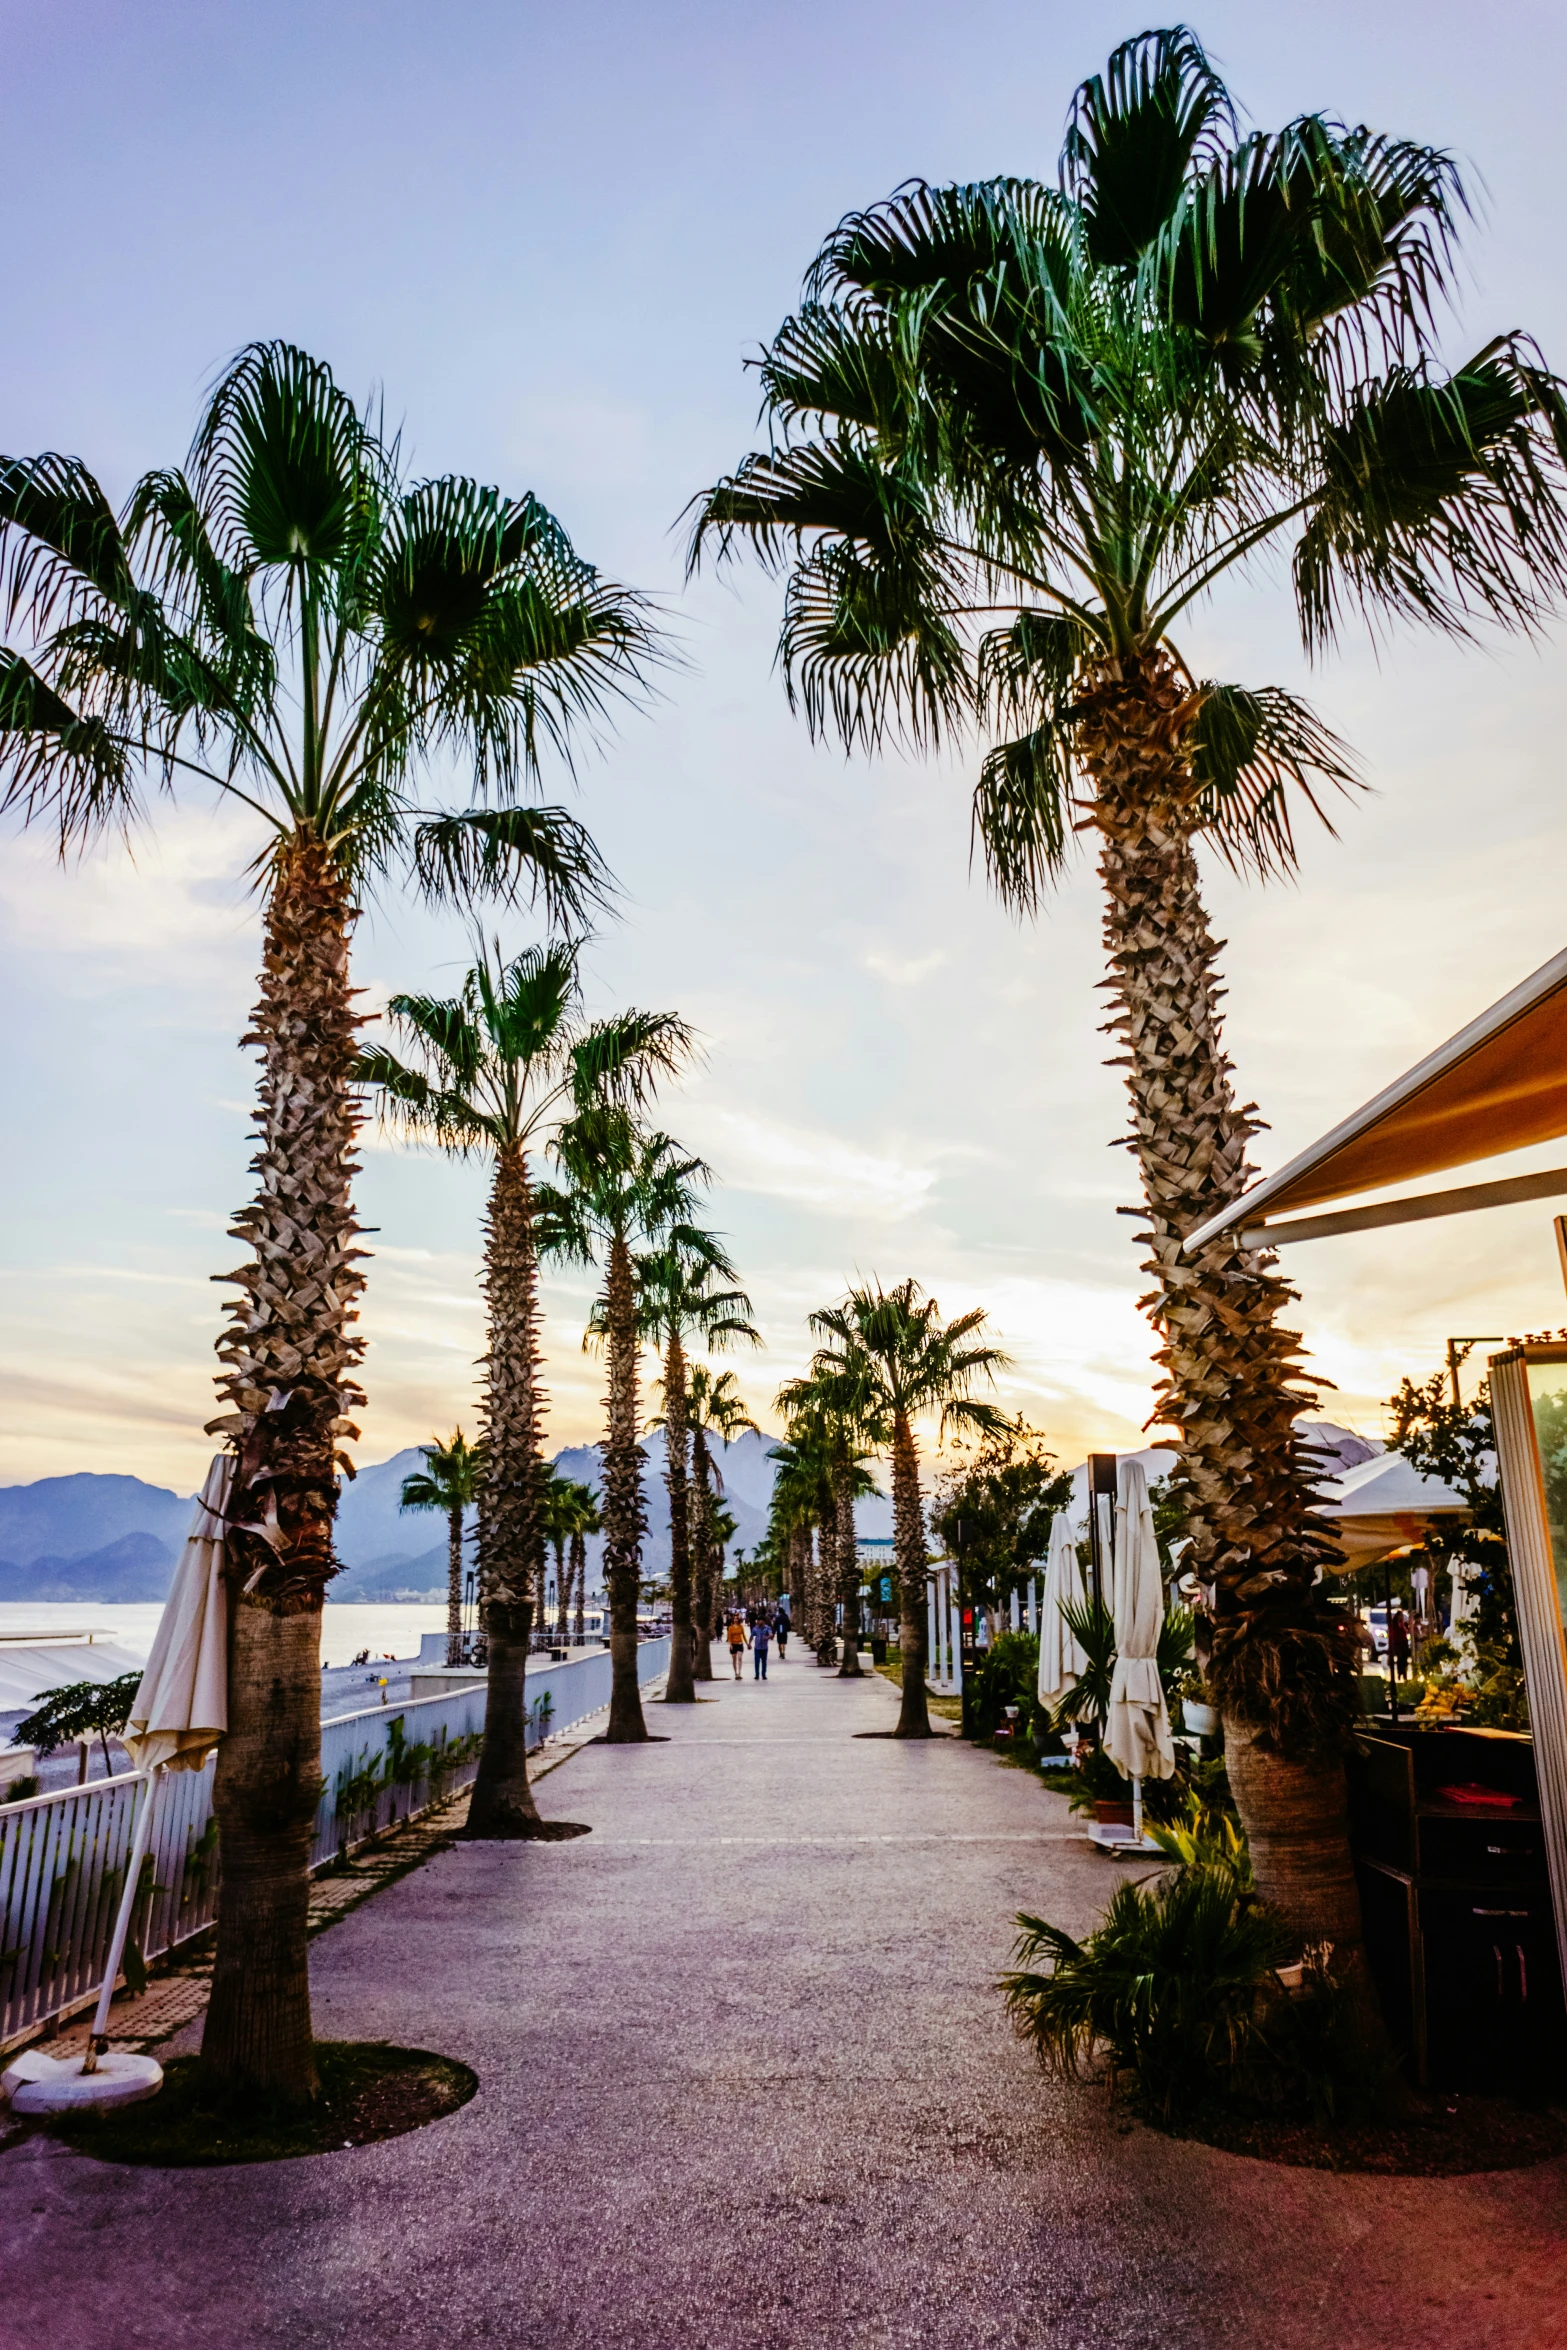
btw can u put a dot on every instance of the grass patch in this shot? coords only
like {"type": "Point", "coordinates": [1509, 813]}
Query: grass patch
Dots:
{"type": "Point", "coordinates": [368, 2091]}
{"type": "Point", "coordinates": [950, 1709]}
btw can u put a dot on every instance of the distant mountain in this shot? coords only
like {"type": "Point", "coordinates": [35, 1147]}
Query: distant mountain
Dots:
{"type": "Point", "coordinates": [137, 1567]}
{"type": "Point", "coordinates": [72, 1517]}
{"type": "Point", "coordinates": [393, 1577]}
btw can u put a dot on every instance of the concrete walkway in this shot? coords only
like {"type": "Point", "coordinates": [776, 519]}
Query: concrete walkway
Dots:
{"type": "Point", "coordinates": [744, 2082]}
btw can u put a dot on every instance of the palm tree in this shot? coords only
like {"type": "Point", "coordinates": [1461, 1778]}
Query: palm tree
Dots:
{"type": "Point", "coordinates": [498, 1065]}
{"type": "Point", "coordinates": [1017, 432]}
{"type": "Point", "coordinates": [293, 623]}
{"type": "Point", "coordinates": [581, 1516]}
{"type": "Point", "coordinates": [800, 1511]}
{"type": "Point", "coordinates": [848, 1416]}
{"type": "Point", "coordinates": [618, 1185]}
{"type": "Point", "coordinates": [890, 1350]}
{"type": "Point", "coordinates": [713, 1408]}
{"type": "Point", "coordinates": [450, 1481]}
{"type": "Point", "coordinates": [677, 1299]}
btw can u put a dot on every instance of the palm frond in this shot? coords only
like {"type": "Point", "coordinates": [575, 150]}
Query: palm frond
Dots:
{"type": "Point", "coordinates": [1134, 133]}
{"type": "Point", "coordinates": [282, 463]}
{"type": "Point", "coordinates": [54, 758]}
{"type": "Point", "coordinates": [1442, 502]}
{"type": "Point", "coordinates": [60, 543]}
{"type": "Point", "coordinates": [1250, 750]}
{"type": "Point", "coordinates": [505, 854]}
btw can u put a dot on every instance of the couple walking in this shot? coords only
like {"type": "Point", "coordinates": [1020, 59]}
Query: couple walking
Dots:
{"type": "Point", "coordinates": [757, 1635]}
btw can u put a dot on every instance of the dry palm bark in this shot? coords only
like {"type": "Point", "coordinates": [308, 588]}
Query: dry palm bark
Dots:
{"type": "Point", "coordinates": [908, 1536]}
{"type": "Point", "coordinates": [454, 1586]}
{"type": "Point", "coordinates": [848, 1570]}
{"type": "Point", "coordinates": [1230, 1386]}
{"type": "Point", "coordinates": [680, 1688]}
{"type": "Point", "coordinates": [290, 1355]}
{"type": "Point", "coordinates": [622, 1498]}
{"type": "Point", "coordinates": [579, 1578]}
{"type": "Point", "coordinates": [511, 1524]}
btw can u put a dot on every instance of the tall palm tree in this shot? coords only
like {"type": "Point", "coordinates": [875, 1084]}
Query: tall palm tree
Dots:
{"type": "Point", "coordinates": [496, 1068]}
{"type": "Point", "coordinates": [293, 623]}
{"type": "Point", "coordinates": [713, 1408]}
{"type": "Point", "coordinates": [618, 1186]}
{"type": "Point", "coordinates": [801, 1522]}
{"type": "Point", "coordinates": [678, 1299]}
{"type": "Point", "coordinates": [849, 1416]}
{"type": "Point", "coordinates": [891, 1349]}
{"type": "Point", "coordinates": [582, 1516]}
{"type": "Point", "coordinates": [1018, 430]}
{"type": "Point", "coordinates": [450, 1481]}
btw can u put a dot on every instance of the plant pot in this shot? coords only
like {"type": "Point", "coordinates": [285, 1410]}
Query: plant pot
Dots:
{"type": "Point", "coordinates": [1201, 1720]}
{"type": "Point", "coordinates": [1111, 1812]}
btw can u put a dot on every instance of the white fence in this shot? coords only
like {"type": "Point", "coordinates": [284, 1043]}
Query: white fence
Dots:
{"type": "Point", "coordinates": [63, 1857]}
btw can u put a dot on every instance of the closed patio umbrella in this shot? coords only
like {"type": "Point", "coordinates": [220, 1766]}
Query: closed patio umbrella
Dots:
{"type": "Point", "coordinates": [1137, 1733]}
{"type": "Point", "coordinates": [1061, 1660]}
{"type": "Point", "coordinates": [177, 1716]}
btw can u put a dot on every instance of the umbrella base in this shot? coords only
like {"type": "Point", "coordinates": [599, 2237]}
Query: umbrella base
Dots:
{"type": "Point", "coordinates": [36, 2083]}
{"type": "Point", "coordinates": [1119, 1836]}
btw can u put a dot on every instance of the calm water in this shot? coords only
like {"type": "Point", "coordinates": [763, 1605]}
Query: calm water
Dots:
{"type": "Point", "coordinates": [393, 1630]}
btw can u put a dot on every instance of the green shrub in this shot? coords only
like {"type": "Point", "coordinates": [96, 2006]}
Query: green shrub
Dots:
{"type": "Point", "coordinates": [1170, 1987]}
{"type": "Point", "coordinates": [1009, 1675]}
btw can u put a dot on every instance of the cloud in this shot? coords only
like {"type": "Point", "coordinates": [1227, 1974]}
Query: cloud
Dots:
{"type": "Point", "coordinates": [817, 1170]}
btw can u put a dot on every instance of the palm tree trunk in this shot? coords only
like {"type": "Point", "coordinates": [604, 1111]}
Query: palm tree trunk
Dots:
{"type": "Point", "coordinates": [680, 1688]}
{"type": "Point", "coordinates": [511, 1528]}
{"type": "Point", "coordinates": [848, 1572]}
{"type": "Point", "coordinates": [579, 1576]}
{"type": "Point", "coordinates": [1282, 1667]}
{"type": "Point", "coordinates": [908, 1532]}
{"type": "Point", "coordinates": [622, 1501]}
{"type": "Point", "coordinates": [454, 1586]}
{"type": "Point", "coordinates": [703, 1601]}
{"type": "Point", "coordinates": [289, 1358]}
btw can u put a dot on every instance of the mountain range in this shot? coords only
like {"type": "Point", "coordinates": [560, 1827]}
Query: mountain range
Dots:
{"type": "Point", "coordinates": [115, 1538]}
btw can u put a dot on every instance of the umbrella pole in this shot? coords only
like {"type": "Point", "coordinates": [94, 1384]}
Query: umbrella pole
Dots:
{"type": "Point", "coordinates": [1137, 1807]}
{"type": "Point", "coordinates": [98, 2038]}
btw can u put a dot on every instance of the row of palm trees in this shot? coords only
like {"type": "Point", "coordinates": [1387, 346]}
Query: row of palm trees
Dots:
{"type": "Point", "coordinates": [1016, 431]}
{"type": "Point", "coordinates": [885, 1361]}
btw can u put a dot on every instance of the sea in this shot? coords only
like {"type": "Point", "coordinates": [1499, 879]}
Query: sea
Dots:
{"type": "Point", "coordinates": [392, 1630]}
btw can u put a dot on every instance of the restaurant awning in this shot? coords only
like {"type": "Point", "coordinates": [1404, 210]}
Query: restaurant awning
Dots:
{"type": "Point", "coordinates": [1498, 1085]}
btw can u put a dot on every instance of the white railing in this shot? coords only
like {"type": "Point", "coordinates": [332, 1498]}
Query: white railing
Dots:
{"type": "Point", "coordinates": [63, 1856]}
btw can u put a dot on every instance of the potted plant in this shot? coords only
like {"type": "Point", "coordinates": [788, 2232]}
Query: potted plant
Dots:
{"type": "Point", "coordinates": [1095, 1786]}
{"type": "Point", "coordinates": [1199, 1714]}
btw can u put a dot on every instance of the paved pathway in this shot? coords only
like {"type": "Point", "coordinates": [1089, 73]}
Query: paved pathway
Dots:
{"type": "Point", "coordinates": [745, 2086]}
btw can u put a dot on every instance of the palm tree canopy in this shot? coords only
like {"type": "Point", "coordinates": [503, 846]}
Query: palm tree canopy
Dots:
{"type": "Point", "coordinates": [680, 1292]}
{"type": "Point", "coordinates": [512, 1049]}
{"type": "Point", "coordinates": [1074, 408]}
{"type": "Point", "coordinates": [617, 1183]}
{"type": "Point", "coordinates": [715, 1407]}
{"type": "Point", "coordinates": [451, 1478]}
{"type": "Point", "coordinates": [891, 1348]}
{"type": "Point", "coordinates": [298, 623]}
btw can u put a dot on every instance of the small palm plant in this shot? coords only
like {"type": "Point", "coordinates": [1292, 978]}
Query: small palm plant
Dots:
{"type": "Point", "coordinates": [293, 624]}
{"type": "Point", "coordinates": [618, 1186]}
{"type": "Point", "coordinates": [450, 1482]}
{"type": "Point", "coordinates": [492, 1071]}
{"type": "Point", "coordinates": [1170, 1987]}
{"type": "Point", "coordinates": [890, 1349]}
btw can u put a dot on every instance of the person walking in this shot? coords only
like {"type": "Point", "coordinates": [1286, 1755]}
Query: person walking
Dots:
{"type": "Point", "coordinates": [781, 1635]}
{"type": "Point", "coordinates": [1398, 1644]}
{"type": "Point", "coordinates": [761, 1634]}
{"type": "Point", "coordinates": [736, 1639]}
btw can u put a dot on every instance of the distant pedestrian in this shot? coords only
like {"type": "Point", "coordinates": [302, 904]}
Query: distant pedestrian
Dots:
{"type": "Point", "coordinates": [736, 1639]}
{"type": "Point", "coordinates": [782, 1634]}
{"type": "Point", "coordinates": [761, 1634]}
{"type": "Point", "coordinates": [1398, 1644]}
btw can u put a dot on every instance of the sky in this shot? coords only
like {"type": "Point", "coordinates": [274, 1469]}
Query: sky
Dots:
{"type": "Point", "coordinates": [550, 237]}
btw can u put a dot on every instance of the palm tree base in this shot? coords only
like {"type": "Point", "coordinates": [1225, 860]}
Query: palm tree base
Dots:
{"type": "Point", "coordinates": [504, 1827]}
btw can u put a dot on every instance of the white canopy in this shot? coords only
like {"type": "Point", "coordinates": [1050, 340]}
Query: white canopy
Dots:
{"type": "Point", "coordinates": [1384, 1504]}
{"type": "Point", "coordinates": [181, 1709]}
{"type": "Point", "coordinates": [1137, 1734]}
{"type": "Point", "coordinates": [1061, 1660]}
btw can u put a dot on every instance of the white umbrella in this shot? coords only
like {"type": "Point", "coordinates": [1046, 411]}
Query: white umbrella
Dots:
{"type": "Point", "coordinates": [177, 1716]}
{"type": "Point", "coordinates": [181, 1709]}
{"type": "Point", "coordinates": [1137, 1734]}
{"type": "Point", "coordinates": [1061, 1660]}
